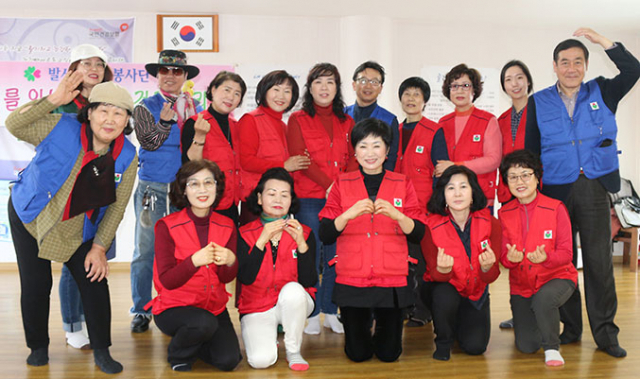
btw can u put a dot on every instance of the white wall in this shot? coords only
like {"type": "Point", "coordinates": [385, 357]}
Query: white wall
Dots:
{"type": "Point", "coordinates": [402, 47]}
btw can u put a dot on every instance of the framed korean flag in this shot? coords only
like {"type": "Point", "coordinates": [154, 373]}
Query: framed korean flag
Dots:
{"type": "Point", "coordinates": [188, 33]}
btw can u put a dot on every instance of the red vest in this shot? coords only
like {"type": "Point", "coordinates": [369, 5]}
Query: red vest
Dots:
{"type": "Point", "coordinates": [203, 290]}
{"type": "Point", "coordinates": [528, 277]}
{"type": "Point", "coordinates": [508, 146]}
{"type": "Point", "coordinates": [217, 149]}
{"type": "Point", "coordinates": [416, 163]}
{"type": "Point", "coordinates": [470, 145]}
{"type": "Point", "coordinates": [262, 294]}
{"type": "Point", "coordinates": [331, 156]}
{"type": "Point", "coordinates": [372, 246]}
{"type": "Point", "coordinates": [273, 146]}
{"type": "Point", "coordinates": [466, 272]}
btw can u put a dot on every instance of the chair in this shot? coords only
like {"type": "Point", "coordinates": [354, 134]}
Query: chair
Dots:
{"type": "Point", "coordinates": [630, 250]}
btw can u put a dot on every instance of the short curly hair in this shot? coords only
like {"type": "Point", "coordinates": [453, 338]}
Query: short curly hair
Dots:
{"type": "Point", "coordinates": [177, 196]}
{"type": "Point", "coordinates": [438, 203]}
{"type": "Point", "coordinates": [456, 73]}
{"type": "Point", "coordinates": [520, 158]}
{"type": "Point", "coordinates": [276, 173]}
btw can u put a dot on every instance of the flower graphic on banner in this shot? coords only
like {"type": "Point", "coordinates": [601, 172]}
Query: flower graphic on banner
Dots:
{"type": "Point", "coordinates": [31, 74]}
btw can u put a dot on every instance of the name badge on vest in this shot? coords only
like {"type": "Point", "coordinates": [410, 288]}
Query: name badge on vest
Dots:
{"type": "Point", "coordinates": [484, 244]}
{"type": "Point", "coordinates": [118, 177]}
{"type": "Point", "coordinates": [397, 202]}
{"type": "Point", "coordinates": [419, 149]}
{"type": "Point", "coordinates": [594, 106]}
{"type": "Point", "coordinates": [548, 234]}
{"type": "Point", "coordinates": [476, 138]}
{"type": "Point", "coordinates": [294, 252]}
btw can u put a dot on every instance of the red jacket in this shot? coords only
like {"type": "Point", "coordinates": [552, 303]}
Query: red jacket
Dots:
{"type": "Point", "coordinates": [272, 145]}
{"type": "Point", "coordinates": [372, 249]}
{"type": "Point", "coordinates": [262, 294]}
{"type": "Point", "coordinates": [508, 146]}
{"type": "Point", "coordinates": [466, 276]}
{"type": "Point", "coordinates": [526, 277]}
{"type": "Point", "coordinates": [217, 149]}
{"type": "Point", "coordinates": [204, 289]}
{"type": "Point", "coordinates": [331, 156]}
{"type": "Point", "coordinates": [470, 144]}
{"type": "Point", "coordinates": [416, 162]}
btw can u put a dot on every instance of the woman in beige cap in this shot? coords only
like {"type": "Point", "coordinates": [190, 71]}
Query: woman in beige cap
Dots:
{"type": "Point", "coordinates": [67, 203]}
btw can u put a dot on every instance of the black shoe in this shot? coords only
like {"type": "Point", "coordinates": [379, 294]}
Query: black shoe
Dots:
{"type": "Point", "coordinates": [183, 367]}
{"type": "Point", "coordinates": [615, 351]}
{"type": "Point", "coordinates": [507, 324]}
{"type": "Point", "coordinates": [38, 357]}
{"type": "Point", "coordinates": [442, 353]}
{"type": "Point", "coordinates": [104, 361]}
{"type": "Point", "coordinates": [566, 338]}
{"type": "Point", "coordinates": [140, 323]}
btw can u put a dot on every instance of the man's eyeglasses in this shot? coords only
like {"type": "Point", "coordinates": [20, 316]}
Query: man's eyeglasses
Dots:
{"type": "Point", "coordinates": [365, 81]}
{"type": "Point", "coordinates": [176, 71]}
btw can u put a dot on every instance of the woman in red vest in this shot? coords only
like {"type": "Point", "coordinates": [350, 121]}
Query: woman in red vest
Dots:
{"type": "Point", "coordinates": [212, 134]}
{"type": "Point", "coordinates": [263, 142]}
{"type": "Point", "coordinates": [193, 261]}
{"type": "Point", "coordinates": [460, 263]}
{"type": "Point", "coordinates": [473, 135]}
{"type": "Point", "coordinates": [537, 248]}
{"type": "Point", "coordinates": [516, 82]}
{"type": "Point", "coordinates": [322, 129]}
{"type": "Point", "coordinates": [372, 213]}
{"type": "Point", "coordinates": [277, 273]}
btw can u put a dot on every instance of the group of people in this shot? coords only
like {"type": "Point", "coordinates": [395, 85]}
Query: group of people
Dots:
{"type": "Point", "coordinates": [396, 217]}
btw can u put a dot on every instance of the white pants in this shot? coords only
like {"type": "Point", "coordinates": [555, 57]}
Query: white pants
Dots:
{"type": "Point", "coordinates": [260, 329]}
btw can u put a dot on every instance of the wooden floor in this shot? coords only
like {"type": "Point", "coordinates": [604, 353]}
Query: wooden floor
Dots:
{"type": "Point", "coordinates": [144, 355]}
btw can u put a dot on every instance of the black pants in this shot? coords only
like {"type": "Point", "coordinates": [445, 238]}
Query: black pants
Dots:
{"type": "Point", "coordinates": [536, 319]}
{"type": "Point", "coordinates": [419, 311]}
{"type": "Point", "coordinates": [35, 286]}
{"type": "Point", "coordinates": [455, 318]}
{"type": "Point", "coordinates": [386, 341]}
{"type": "Point", "coordinates": [589, 210]}
{"type": "Point", "coordinates": [198, 333]}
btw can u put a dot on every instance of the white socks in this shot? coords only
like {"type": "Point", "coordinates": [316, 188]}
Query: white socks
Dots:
{"type": "Point", "coordinates": [331, 321]}
{"type": "Point", "coordinates": [78, 340]}
{"type": "Point", "coordinates": [553, 358]}
{"type": "Point", "coordinates": [296, 362]}
{"type": "Point", "coordinates": [313, 326]}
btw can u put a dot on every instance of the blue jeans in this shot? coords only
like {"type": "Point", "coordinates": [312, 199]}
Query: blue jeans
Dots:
{"type": "Point", "coordinates": [308, 215]}
{"type": "Point", "coordinates": [142, 261]}
{"type": "Point", "coordinates": [70, 301]}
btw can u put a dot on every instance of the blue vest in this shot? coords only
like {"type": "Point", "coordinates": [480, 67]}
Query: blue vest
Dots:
{"type": "Point", "coordinates": [162, 164]}
{"type": "Point", "coordinates": [569, 145]}
{"type": "Point", "coordinates": [378, 113]}
{"type": "Point", "coordinates": [55, 157]}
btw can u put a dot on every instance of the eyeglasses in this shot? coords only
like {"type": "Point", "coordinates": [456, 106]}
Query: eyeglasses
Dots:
{"type": "Point", "coordinates": [88, 65]}
{"type": "Point", "coordinates": [525, 176]}
{"type": "Point", "coordinates": [365, 81]}
{"type": "Point", "coordinates": [208, 184]}
{"type": "Point", "coordinates": [176, 71]}
{"type": "Point", "coordinates": [464, 87]}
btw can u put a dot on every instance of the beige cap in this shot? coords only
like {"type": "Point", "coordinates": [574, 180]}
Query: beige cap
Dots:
{"type": "Point", "coordinates": [112, 93]}
{"type": "Point", "coordinates": [86, 51]}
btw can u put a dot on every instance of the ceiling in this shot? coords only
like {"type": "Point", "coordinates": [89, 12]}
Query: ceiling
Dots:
{"type": "Point", "coordinates": [621, 15]}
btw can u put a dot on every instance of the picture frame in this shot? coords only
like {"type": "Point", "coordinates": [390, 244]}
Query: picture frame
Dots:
{"type": "Point", "coordinates": [188, 33]}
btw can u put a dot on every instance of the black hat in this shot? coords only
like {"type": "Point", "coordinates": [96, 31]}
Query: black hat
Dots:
{"type": "Point", "coordinates": [172, 58]}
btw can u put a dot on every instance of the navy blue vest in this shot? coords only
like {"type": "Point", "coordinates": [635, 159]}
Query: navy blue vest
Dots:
{"type": "Point", "coordinates": [162, 164]}
{"type": "Point", "coordinates": [55, 157]}
{"type": "Point", "coordinates": [587, 141]}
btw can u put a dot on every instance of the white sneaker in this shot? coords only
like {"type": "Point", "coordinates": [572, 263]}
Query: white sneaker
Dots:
{"type": "Point", "coordinates": [78, 340]}
{"type": "Point", "coordinates": [331, 321]}
{"type": "Point", "coordinates": [313, 325]}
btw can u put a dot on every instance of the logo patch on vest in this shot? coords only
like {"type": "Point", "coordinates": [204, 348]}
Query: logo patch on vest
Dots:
{"type": "Point", "coordinates": [397, 202]}
{"type": "Point", "coordinates": [419, 149]}
{"type": "Point", "coordinates": [294, 252]}
{"type": "Point", "coordinates": [484, 244]}
{"type": "Point", "coordinates": [548, 234]}
{"type": "Point", "coordinates": [594, 106]}
{"type": "Point", "coordinates": [118, 177]}
{"type": "Point", "coordinates": [476, 138]}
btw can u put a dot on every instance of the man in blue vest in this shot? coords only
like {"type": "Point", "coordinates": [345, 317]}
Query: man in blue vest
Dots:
{"type": "Point", "coordinates": [158, 122]}
{"type": "Point", "coordinates": [368, 79]}
{"type": "Point", "coordinates": [572, 126]}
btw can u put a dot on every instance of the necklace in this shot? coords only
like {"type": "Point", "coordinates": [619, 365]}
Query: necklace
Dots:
{"type": "Point", "coordinates": [275, 241]}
